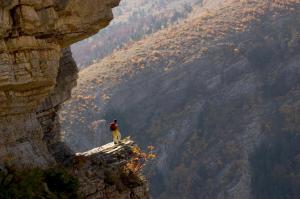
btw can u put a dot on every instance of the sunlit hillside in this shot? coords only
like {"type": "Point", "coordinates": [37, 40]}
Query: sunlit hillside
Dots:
{"type": "Point", "coordinates": [217, 94]}
{"type": "Point", "coordinates": [134, 20]}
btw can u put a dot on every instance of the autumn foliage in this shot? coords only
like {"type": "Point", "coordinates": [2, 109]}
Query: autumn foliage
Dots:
{"type": "Point", "coordinates": [139, 159]}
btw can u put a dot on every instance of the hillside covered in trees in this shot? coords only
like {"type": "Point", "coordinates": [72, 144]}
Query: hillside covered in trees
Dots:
{"type": "Point", "coordinates": [133, 20]}
{"type": "Point", "coordinates": [217, 94]}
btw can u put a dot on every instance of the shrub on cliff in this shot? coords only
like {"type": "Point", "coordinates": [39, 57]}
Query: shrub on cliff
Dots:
{"type": "Point", "coordinates": [53, 183]}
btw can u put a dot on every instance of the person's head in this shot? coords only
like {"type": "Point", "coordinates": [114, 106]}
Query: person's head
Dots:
{"type": "Point", "coordinates": [115, 121]}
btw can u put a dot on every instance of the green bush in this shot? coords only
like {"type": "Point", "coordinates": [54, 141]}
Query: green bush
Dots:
{"type": "Point", "coordinates": [61, 183]}
{"type": "Point", "coordinates": [36, 183]}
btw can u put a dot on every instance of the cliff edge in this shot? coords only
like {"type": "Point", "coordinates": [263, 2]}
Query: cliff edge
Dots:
{"type": "Point", "coordinates": [37, 73]}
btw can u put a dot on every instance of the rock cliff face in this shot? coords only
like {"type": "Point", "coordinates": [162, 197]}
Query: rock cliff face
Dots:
{"type": "Point", "coordinates": [47, 112]}
{"type": "Point", "coordinates": [218, 95]}
{"type": "Point", "coordinates": [101, 175]}
{"type": "Point", "coordinates": [32, 34]}
{"type": "Point", "coordinates": [37, 73]}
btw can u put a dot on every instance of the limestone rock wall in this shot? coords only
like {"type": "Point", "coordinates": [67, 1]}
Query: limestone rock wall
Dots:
{"type": "Point", "coordinates": [101, 173]}
{"type": "Point", "coordinates": [32, 36]}
{"type": "Point", "coordinates": [37, 74]}
{"type": "Point", "coordinates": [47, 112]}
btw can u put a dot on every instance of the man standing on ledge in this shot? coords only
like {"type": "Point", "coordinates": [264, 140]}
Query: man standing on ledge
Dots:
{"type": "Point", "coordinates": [115, 132]}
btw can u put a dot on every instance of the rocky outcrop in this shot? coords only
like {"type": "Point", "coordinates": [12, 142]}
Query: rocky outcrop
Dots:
{"type": "Point", "coordinates": [32, 34]}
{"type": "Point", "coordinates": [37, 74]}
{"type": "Point", "coordinates": [47, 112]}
{"type": "Point", "coordinates": [101, 173]}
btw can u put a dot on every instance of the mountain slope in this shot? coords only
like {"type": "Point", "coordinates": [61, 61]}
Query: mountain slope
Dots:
{"type": "Point", "coordinates": [133, 20]}
{"type": "Point", "coordinates": [209, 93]}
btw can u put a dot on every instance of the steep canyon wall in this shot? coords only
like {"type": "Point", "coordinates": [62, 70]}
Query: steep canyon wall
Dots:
{"type": "Point", "coordinates": [37, 74]}
{"type": "Point", "coordinates": [32, 36]}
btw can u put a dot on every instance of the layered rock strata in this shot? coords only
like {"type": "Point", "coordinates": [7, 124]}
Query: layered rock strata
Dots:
{"type": "Point", "coordinates": [47, 112]}
{"type": "Point", "coordinates": [101, 173]}
{"type": "Point", "coordinates": [32, 36]}
{"type": "Point", "coordinates": [37, 74]}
